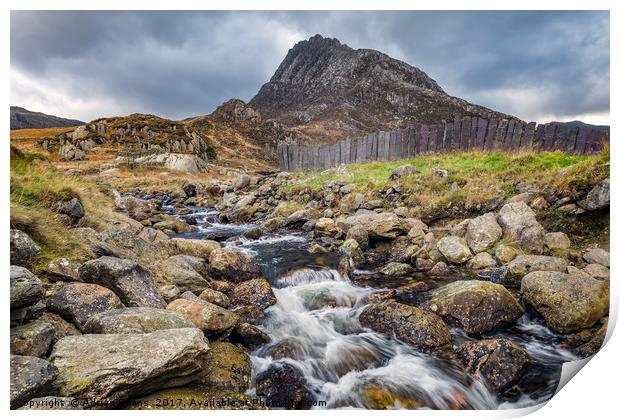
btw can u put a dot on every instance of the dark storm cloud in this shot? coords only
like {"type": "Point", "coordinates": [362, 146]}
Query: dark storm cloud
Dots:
{"type": "Point", "coordinates": [177, 64]}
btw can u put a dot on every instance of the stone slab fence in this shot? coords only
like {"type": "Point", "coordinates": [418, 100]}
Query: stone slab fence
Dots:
{"type": "Point", "coordinates": [462, 134]}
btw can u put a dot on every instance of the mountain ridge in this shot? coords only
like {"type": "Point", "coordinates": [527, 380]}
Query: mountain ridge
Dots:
{"type": "Point", "coordinates": [23, 118]}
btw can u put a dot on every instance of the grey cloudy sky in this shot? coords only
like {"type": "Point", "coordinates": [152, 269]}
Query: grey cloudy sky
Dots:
{"type": "Point", "coordinates": [535, 65]}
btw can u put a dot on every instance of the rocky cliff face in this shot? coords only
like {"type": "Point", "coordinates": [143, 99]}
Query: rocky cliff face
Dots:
{"type": "Point", "coordinates": [329, 90]}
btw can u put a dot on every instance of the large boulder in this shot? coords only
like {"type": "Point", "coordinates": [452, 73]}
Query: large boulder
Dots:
{"type": "Point", "coordinates": [77, 303]}
{"type": "Point", "coordinates": [131, 282]}
{"type": "Point", "coordinates": [23, 249]}
{"type": "Point", "coordinates": [475, 306]}
{"type": "Point", "coordinates": [568, 303]}
{"type": "Point", "coordinates": [233, 265]}
{"type": "Point", "coordinates": [378, 225]}
{"type": "Point", "coordinates": [253, 292]}
{"type": "Point", "coordinates": [32, 339]}
{"type": "Point", "coordinates": [284, 385]}
{"type": "Point", "coordinates": [513, 272]}
{"type": "Point", "coordinates": [123, 243]}
{"type": "Point", "coordinates": [30, 377]}
{"type": "Point", "coordinates": [414, 326]}
{"type": "Point", "coordinates": [454, 249]}
{"type": "Point", "coordinates": [228, 367]}
{"type": "Point", "coordinates": [201, 248]}
{"type": "Point", "coordinates": [135, 321]}
{"type": "Point", "coordinates": [598, 197]}
{"type": "Point", "coordinates": [181, 162]}
{"type": "Point", "coordinates": [26, 288]}
{"type": "Point", "coordinates": [499, 361]}
{"type": "Point", "coordinates": [116, 367]}
{"type": "Point", "coordinates": [186, 272]}
{"type": "Point", "coordinates": [483, 232]}
{"type": "Point", "coordinates": [211, 319]}
{"type": "Point", "coordinates": [519, 224]}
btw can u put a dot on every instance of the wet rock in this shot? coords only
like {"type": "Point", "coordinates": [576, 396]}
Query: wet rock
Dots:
{"type": "Point", "coordinates": [183, 271]}
{"type": "Point", "coordinates": [23, 249]}
{"type": "Point", "coordinates": [325, 227]}
{"type": "Point", "coordinates": [26, 288]}
{"type": "Point", "coordinates": [253, 233]}
{"type": "Point", "coordinates": [215, 297]}
{"type": "Point", "coordinates": [284, 385]}
{"type": "Point", "coordinates": [483, 232]}
{"type": "Point", "coordinates": [256, 292]}
{"type": "Point", "coordinates": [234, 265]}
{"type": "Point", "coordinates": [30, 377]}
{"type": "Point", "coordinates": [597, 256]}
{"type": "Point", "coordinates": [519, 224]}
{"type": "Point", "coordinates": [200, 248]}
{"type": "Point", "coordinates": [62, 269]}
{"type": "Point", "coordinates": [296, 219]}
{"type": "Point", "coordinates": [568, 303]}
{"type": "Point", "coordinates": [228, 367]}
{"type": "Point", "coordinates": [414, 326]}
{"type": "Point", "coordinates": [210, 318]}
{"type": "Point", "coordinates": [286, 348]}
{"type": "Point", "coordinates": [131, 282]}
{"type": "Point", "coordinates": [475, 306]}
{"type": "Point", "coordinates": [597, 271]}
{"type": "Point", "coordinates": [249, 336]}
{"type": "Point", "coordinates": [191, 188]}
{"type": "Point", "coordinates": [557, 240]}
{"type": "Point", "coordinates": [32, 339]}
{"type": "Point", "coordinates": [359, 235]}
{"type": "Point", "coordinates": [587, 342]}
{"type": "Point", "coordinates": [499, 361]}
{"type": "Point", "coordinates": [316, 248]}
{"type": "Point", "coordinates": [481, 261]}
{"type": "Point", "coordinates": [135, 321]}
{"type": "Point", "coordinates": [142, 363]}
{"type": "Point", "coordinates": [77, 303]}
{"type": "Point", "coordinates": [454, 249]}
{"type": "Point", "coordinates": [524, 264]}
{"type": "Point", "coordinates": [396, 269]}
{"type": "Point", "coordinates": [598, 197]}
{"type": "Point", "coordinates": [403, 170]}
{"type": "Point", "coordinates": [505, 253]}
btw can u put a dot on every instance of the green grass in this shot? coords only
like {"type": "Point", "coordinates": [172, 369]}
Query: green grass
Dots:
{"type": "Point", "coordinates": [479, 176]}
{"type": "Point", "coordinates": [35, 187]}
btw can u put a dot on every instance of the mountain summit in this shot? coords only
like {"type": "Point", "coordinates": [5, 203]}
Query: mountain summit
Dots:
{"type": "Point", "coordinates": [329, 90]}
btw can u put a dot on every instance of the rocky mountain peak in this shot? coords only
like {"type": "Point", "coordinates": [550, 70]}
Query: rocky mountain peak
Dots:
{"type": "Point", "coordinates": [329, 91]}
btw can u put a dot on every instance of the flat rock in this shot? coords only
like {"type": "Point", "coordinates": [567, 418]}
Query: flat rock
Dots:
{"type": "Point", "coordinates": [201, 248]}
{"type": "Point", "coordinates": [116, 367]}
{"type": "Point", "coordinates": [135, 321]}
{"type": "Point", "coordinates": [63, 269]}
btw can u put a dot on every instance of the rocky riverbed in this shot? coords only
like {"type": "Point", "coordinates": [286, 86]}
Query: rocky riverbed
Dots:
{"type": "Point", "coordinates": [228, 293]}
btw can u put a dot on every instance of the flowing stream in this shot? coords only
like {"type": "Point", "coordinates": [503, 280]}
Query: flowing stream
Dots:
{"type": "Point", "coordinates": [347, 365]}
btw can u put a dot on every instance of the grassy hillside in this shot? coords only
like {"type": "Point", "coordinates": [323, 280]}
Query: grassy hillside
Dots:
{"type": "Point", "coordinates": [474, 178]}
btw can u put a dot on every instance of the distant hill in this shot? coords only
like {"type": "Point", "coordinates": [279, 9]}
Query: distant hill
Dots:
{"type": "Point", "coordinates": [328, 91]}
{"type": "Point", "coordinates": [581, 124]}
{"type": "Point", "coordinates": [23, 118]}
